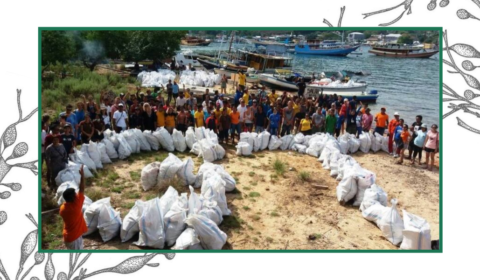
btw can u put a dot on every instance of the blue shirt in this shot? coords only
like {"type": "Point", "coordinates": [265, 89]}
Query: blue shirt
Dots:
{"type": "Point", "coordinates": [72, 119]}
{"type": "Point", "coordinates": [238, 95]}
{"type": "Point", "coordinates": [398, 131]}
{"type": "Point", "coordinates": [175, 89]}
{"type": "Point", "coordinates": [420, 139]}
{"type": "Point", "coordinates": [80, 115]}
{"type": "Point", "coordinates": [274, 120]}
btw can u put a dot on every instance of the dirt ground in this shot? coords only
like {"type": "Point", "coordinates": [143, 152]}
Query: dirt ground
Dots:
{"type": "Point", "coordinates": [271, 211]}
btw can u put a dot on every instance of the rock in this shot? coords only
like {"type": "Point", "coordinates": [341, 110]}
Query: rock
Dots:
{"type": "Point", "coordinates": [312, 237]}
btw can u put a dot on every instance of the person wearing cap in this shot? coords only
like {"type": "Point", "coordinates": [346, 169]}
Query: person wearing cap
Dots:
{"type": "Point", "coordinates": [242, 78]}
{"type": "Point", "coordinates": [56, 157]}
{"type": "Point", "coordinates": [391, 127]}
{"type": "Point", "coordinates": [120, 119]}
{"type": "Point", "coordinates": [367, 120]}
{"type": "Point", "coordinates": [431, 146]}
{"type": "Point", "coordinates": [223, 84]}
{"type": "Point", "coordinates": [418, 142]}
{"type": "Point", "coordinates": [169, 91]}
{"type": "Point", "coordinates": [381, 120]}
{"type": "Point", "coordinates": [122, 99]}
{"type": "Point", "coordinates": [105, 116]}
{"type": "Point", "coordinates": [199, 117]}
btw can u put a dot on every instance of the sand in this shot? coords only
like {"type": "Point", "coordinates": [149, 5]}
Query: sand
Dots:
{"type": "Point", "coordinates": [283, 212]}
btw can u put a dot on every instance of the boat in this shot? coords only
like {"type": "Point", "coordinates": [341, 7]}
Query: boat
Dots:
{"type": "Point", "coordinates": [187, 57]}
{"type": "Point", "coordinates": [208, 62]}
{"type": "Point", "coordinates": [193, 41]}
{"type": "Point", "coordinates": [327, 47]}
{"type": "Point", "coordinates": [336, 81]}
{"type": "Point", "coordinates": [282, 79]}
{"type": "Point", "coordinates": [399, 51]}
{"type": "Point", "coordinates": [364, 96]}
{"type": "Point", "coordinates": [262, 62]}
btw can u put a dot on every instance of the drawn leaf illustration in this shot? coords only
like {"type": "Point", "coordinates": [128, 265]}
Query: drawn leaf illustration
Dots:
{"type": "Point", "coordinates": [10, 136]}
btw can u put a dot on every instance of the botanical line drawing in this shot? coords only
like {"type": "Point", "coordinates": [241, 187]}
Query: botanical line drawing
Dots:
{"type": "Point", "coordinates": [76, 262]}
{"type": "Point", "coordinates": [464, 14]}
{"type": "Point", "coordinates": [407, 6]}
{"type": "Point", "coordinates": [467, 105]}
{"type": "Point", "coordinates": [342, 11]}
{"type": "Point", "coordinates": [8, 138]}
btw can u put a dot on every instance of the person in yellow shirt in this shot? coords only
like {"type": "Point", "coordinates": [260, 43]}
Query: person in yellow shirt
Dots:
{"type": "Point", "coordinates": [272, 97]}
{"type": "Point", "coordinates": [217, 112]}
{"type": "Point", "coordinates": [306, 125]}
{"type": "Point", "coordinates": [160, 116]}
{"type": "Point", "coordinates": [198, 116]}
{"type": "Point", "coordinates": [246, 96]}
{"type": "Point", "coordinates": [170, 117]}
{"type": "Point", "coordinates": [187, 94]}
{"type": "Point", "coordinates": [242, 79]}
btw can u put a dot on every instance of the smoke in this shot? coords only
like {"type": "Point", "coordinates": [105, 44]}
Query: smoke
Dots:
{"type": "Point", "coordinates": [93, 50]}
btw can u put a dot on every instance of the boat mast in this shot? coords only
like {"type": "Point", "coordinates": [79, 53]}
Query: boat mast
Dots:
{"type": "Point", "coordinates": [231, 41]}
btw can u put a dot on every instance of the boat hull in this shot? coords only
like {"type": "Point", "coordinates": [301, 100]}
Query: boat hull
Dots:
{"type": "Point", "coordinates": [360, 96]}
{"type": "Point", "coordinates": [207, 64]}
{"type": "Point", "coordinates": [328, 52]}
{"type": "Point", "coordinates": [402, 54]}
{"type": "Point", "coordinates": [278, 84]}
{"type": "Point", "coordinates": [318, 88]}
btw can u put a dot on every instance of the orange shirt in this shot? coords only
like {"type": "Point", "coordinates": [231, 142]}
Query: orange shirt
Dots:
{"type": "Point", "coordinates": [392, 125]}
{"type": "Point", "coordinates": [404, 135]}
{"type": "Point", "coordinates": [235, 116]}
{"type": "Point", "coordinates": [170, 121]}
{"type": "Point", "coordinates": [74, 224]}
{"type": "Point", "coordinates": [381, 120]}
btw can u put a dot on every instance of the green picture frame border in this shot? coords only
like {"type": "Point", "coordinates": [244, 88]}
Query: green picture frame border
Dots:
{"type": "Point", "coordinates": [439, 29]}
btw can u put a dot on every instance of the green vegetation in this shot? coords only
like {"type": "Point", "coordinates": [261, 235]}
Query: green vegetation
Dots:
{"type": "Point", "coordinates": [128, 205]}
{"type": "Point", "coordinates": [132, 195]}
{"type": "Point", "coordinates": [135, 175]}
{"type": "Point", "coordinates": [304, 176]}
{"type": "Point", "coordinates": [117, 189]}
{"type": "Point", "coordinates": [269, 239]}
{"type": "Point", "coordinates": [94, 195]}
{"type": "Point", "coordinates": [251, 173]}
{"type": "Point", "coordinates": [246, 208]}
{"type": "Point", "coordinates": [52, 228]}
{"type": "Point", "coordinates": [254, 194]}
{"type": "Point", "coordinates": [255, 217]}
{"type": "Point", "coordinates": [274, 214]}
{"type": "Point", "coordinates": [279, 167]}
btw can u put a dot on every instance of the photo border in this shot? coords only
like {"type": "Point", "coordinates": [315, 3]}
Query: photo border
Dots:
{"type": "Point", "coordinates": [439, 29]}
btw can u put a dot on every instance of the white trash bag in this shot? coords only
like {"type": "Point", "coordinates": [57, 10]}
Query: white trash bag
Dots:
{"type": "Point", "coordinates": [103, 153]}
{"type": "Point", "coordinates": [211, 210]}
{"type": "Point", "coordinates": [111, 152]}
{"type": "Point", "coordinates": [264, 139]}
{"type": "Point", "coordinates": [391, 224]}
{"type": "Point", "coordinates": [286, 142]}
{"type": "Point", "coordinates": [353, 144]}
{"type": "Point", "coordinates": [196, 149]}
{"type": "Point", "coordinates": [85, 160]}
{"type": "Point", "coordinates": [416, 235]}
{"type": "Point", "coordinates": [375, 194]}
{"type": "Point", "coordinates": [175, 219]}
{"type": "Point", "coordinates": [109, 222]}
{"type": "Point", "coordinates": [195, 203]}
{"type": "Point", "coordinates": [365, 142]}
{"type": "Point", "coordinates": [165, 139]}
{"type": "Point", "coordinates": [347, 189]}
{"type": "Point", "coordinates": [213, 187]}
{"type": "Point", "coordinates": [190, 137]}
{"type": "Point", "coordinates": [179, 141]}
{"type": "Point", "coordinates": [93, 153]}
{"type": "Point", "coordinates": [168, 169]}
{"type": "Point", "coordinates": [374, 212]}
{"type": "Point", "coordinates": [244, 149]}
{"type": "Point", "coordinates": [274, 143]}
{"type": "Point", "coordinates": [299, 148]}
{"type": "Point", "coordinates": [144, 145]}
{"type": "Point", "coordinates": [376, 141]}
{"type": "Point", "coordinates": [152, 140]}
{"type": "Point", "coordinates": [299, 138]}
{"type": "Point", "coordinates": [200, 133]}
{"type": "Point", "coordinates": [124, 150]}
{"type": "Point", "coordinates": [185, 173]}
{"type": "Point", "coordinates": [149, 175]}
{"type": "Point", "coordinates": [91, 214]}
{"type": "Point", "coordinates": [211, 237]}
{"type": "Point", "coordinates": [150, 224]}
{"type": "Point", "coordinates": [130, 222]}
{"type": "Point", "coordinates": [63, 187]}
{"type": "Point", "coordinates": [186, 240]}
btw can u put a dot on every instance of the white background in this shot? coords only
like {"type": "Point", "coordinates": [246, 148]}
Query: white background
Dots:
{"type": "Point", "coordinates": [18, 57]}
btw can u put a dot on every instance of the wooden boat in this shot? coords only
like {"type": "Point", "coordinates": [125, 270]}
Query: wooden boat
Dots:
{"type": "Point", "coordinates": [398, 51]}
{"type": "Point", "coordinates": [193, 41]}
{"type": "Point", "coordinates": [329, 48]}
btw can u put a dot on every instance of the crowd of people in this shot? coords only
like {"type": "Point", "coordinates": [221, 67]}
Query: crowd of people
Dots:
{"type": "Point", "coordinates": [279, 114]}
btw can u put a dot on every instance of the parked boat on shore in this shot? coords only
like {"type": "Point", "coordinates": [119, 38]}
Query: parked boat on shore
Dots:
{"type": "Point", "coordinates": [331, 48]}
{"type": "Point", "coordinates": [399, 51]}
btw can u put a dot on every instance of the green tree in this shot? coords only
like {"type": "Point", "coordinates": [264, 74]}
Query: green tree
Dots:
{"type": "Point", "coordinates": [405, 39]}
{"type": "Point", "coordinates": [56, 47]}
{"type": "Point", "coordinates": [155, 45]}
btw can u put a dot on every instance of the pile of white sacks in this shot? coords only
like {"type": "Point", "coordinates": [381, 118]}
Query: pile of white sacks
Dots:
{"type": "Point", "coordinates": [186, 222]}
{"type": "Point", "coordinates": [356, 185]}
{"type": "Point", "coordinates": [199, 78]}
{"type": "Point", "coordinates": [156, 79]}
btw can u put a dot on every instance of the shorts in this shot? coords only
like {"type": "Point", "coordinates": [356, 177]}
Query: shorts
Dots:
{"type": "Point", "coordinates": [428, 150]}
{"type": "Point", "coordinates": [182, 127]}
{"type": "Point", "coordinates": [77, 244]}
{"type": "Point", "coordinates": [259, 129]}
{"type": "Point", "coordinates": [307, 132]}
{"type": "Point", "coordinates": [399, 143]}
{"type": "Point", "coordinates": [235, 127]}
{"type": "Point", "coordinates": [380, 130]}
{"type": "Point", "coordinates": [249, 126]}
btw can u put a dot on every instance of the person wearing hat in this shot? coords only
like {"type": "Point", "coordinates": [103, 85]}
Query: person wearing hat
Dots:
{"type": "Point", "coordinates": [120, 119]}
{"type": "Point", "coordinates": [56, 157]}
{"type": "Point", "coordinates": [418, 142]}
{"type": "Point", "coordinates": [67, 138]}
{"type": "Point", "coordinates": [391, 128]}
{"type": "Point", "coordinates": [381, 120]}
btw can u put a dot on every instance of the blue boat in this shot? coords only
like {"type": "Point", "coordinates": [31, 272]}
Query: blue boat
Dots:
{"type": "Point", "coordinates": [331, 48]}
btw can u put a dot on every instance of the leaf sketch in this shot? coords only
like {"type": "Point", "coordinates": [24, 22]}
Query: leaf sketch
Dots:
{"type": "Point", "coordinates": [464, 14]}
{"type": "Point", "coordinates": [407, 6]}
{"type": "Point", "coordinates": [467, 105]}
{"type": "Point", "coordinates": [76, 262]}
{"type": "Point", "coordinates": [8, 138]}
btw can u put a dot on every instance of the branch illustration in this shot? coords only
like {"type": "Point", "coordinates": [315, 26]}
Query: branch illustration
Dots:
{"type": "Point", "coordinates": [342, 11]}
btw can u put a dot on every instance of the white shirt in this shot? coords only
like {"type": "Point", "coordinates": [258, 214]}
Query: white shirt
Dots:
{"type": "Point", "coordinates": [106, 119]}
{"type": "Point", "coordinates": [44, 135]}
{"type": "Point", "coordinates": [109, 109]}
{"type": "Point", "coordinates": [120, 118]}
{"type": "Point", "coordinates": [220, 102]}
{"type": "Point", "coordinates": [181, 101]}
{"type": "Point", "coordinates": [241, 110]}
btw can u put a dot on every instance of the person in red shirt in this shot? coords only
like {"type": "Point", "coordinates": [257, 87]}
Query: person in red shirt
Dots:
{"type": "Point", "coordinates": [343, 114]}
{"type": "Point", "coordinates": [74, 225]}
{"type": "Point", "coordinates": [391, 129]}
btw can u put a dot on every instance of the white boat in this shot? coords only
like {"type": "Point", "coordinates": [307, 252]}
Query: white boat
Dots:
{"type": "Point", "coordinates": [328, 85]}
{"type": "Point", "coordinates": [364, 96]}
{"type": "Point", "coordinates": [187, 57]}
{"type": "Point", "coordinates": [279, 82]}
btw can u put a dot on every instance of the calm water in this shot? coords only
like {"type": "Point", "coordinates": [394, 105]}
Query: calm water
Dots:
{"type": "Point", "coordinates": [407, 86]}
